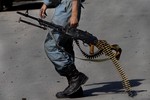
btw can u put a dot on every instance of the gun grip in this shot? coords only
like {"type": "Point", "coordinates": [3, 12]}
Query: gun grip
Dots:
{"type": "Point", "coordinates": [91, 49]}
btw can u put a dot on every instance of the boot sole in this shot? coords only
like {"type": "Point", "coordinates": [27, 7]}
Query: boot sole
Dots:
{"type": "Point", "coordinates": [77, 94]}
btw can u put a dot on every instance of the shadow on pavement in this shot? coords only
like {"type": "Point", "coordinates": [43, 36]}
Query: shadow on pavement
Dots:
{"type": "Point", "coordinates": [112, 87]}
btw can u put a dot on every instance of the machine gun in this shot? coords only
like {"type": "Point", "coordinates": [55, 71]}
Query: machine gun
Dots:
{"type": "Point", "coordinates": [86, 37]}
{"type": "Point", "coordinates": [76, 34]}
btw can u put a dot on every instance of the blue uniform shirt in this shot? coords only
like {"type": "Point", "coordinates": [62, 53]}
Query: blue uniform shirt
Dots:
{"type": "Point", "coordinates": [62, 12]}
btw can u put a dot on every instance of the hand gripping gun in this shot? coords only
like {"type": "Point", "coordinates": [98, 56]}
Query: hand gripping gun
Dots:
{"type": "Point", "coordinates": [112, 51]}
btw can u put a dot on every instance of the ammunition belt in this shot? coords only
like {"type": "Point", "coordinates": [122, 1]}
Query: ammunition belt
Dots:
{"type": "Point", "coordinates": [107, 50]}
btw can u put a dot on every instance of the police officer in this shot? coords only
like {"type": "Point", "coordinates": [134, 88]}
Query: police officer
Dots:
{"type": "Point", "coordinates": [59, 49]}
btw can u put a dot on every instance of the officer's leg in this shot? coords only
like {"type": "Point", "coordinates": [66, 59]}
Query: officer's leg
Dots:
{"type": "Point", "coordinates": [56, 53]}
{"type": "Point", "coordinates": [67, 43]}
{"type": "Point", "coordinates": [64, 64]}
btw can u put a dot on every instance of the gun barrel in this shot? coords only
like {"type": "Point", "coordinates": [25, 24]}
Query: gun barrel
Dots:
{"type": "Point", "coordinates": [26, 15]}
{"type": "Point", "coordinates": [41, 22]}
{"type": "Point", "coordinates": [24, 21]}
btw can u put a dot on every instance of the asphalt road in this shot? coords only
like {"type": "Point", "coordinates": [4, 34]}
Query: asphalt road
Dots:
{"type": "Point", "coordinates": [26, 72]}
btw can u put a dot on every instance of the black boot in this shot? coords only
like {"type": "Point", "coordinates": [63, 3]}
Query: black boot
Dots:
{"type": "Point", "coordinates": [75, 80]}
{"type": "Point", "coordinates": [77, 94]}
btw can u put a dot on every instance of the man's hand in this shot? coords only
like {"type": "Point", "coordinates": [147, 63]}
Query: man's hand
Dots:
{"type": "Point", "coordinates": [74, 15]}
{"type": "Point", "coordinates": [43, 11]}
{"type": "Point", "coordinates": [73, 21]}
